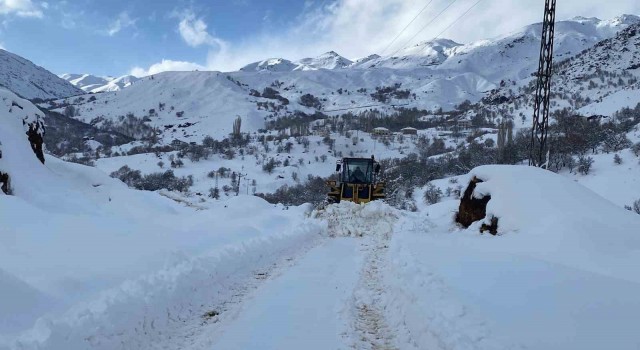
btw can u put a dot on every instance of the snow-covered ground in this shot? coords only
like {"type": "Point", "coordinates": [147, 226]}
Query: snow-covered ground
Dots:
{"type": "Point", "coordinates": [561, 274]}
{"type": "Point", "coordinates": [88, 263]}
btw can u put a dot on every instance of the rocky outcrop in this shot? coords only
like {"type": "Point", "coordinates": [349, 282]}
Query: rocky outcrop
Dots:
{"type": "Point", "coordinates": [473, 209]}
{"type": "Point", "coordinates": [35, 135]}
{"type": "Point", "coordinates": [4, 183]}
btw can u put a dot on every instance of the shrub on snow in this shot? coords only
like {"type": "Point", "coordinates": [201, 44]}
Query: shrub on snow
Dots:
{"type": "Point", "coordinates": [584, 164]}
{"type": "Point", "coordinates": [154, 181]}
{"type": "Point", "coordinates": [617, 159]}
{"type": "Point", "coordinates": [433, 194]}
{"type": "Point", "coordinates": [636, 207]}
{"type": "Point", "coordinates": [636, 149]}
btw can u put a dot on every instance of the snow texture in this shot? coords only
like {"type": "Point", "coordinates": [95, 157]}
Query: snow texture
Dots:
{"type": "Point", "coordinates": [31, 81]}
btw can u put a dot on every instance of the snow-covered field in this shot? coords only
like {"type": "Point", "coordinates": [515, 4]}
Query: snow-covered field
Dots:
{"type": "Point", "coordinates": [244, 274]}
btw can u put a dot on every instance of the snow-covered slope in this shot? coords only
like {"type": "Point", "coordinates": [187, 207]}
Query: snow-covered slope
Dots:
{"type": "Point", "coordinates": [564, 266]}
{"type": "Point", "coordinates": [86, 82]}
{"type": "Point", "coordinates": [270, 65]}
{"type": "Point", "coordinates": [210, 101]}
{"type": "Point", "coordinates": [427, 53]}
{"type": "Point", "coordinates": [75, 242]}
{"type": "Point", "coordinates": [429, 75]}
{"type": "Point", "coordinates": [17, 160]}
{"type": "Point", "coordinates": [606, 74]}
{"type": "Point", "coordinates": [31, 81]}
{"type": "Point", "coordinates": [363, 60]}
{"type": "Point", "coordinates": [513, 56]}
{"type": "Point", "coordinates": [598, 80]}
{"type": "Point", "coordinates": [92, 83]}
{"type": "Point", "coordinates": [118, 83]}
{"type": "Point", "coordinates": [328, 60]}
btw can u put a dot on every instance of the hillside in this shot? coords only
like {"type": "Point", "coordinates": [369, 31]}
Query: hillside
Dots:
{"type": "Point", "coordinates": [31, 81]}
{"type": "Point", "coordinates": [510, 57]}
{"type": "Point", "coordinates": [208, 102]}
{"type": "Point", "coordinates": [598, 81]}
{"type": "Point", "coordinates": [427, 76]}
{"type": "Point", "coordinates": [92, 83]}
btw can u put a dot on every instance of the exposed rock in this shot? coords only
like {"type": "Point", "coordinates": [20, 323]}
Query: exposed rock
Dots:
{"type": "Point", "coordinates": [34, 134]}
{"type": "Point", "coordinates": [4, 183]}
{"type": "Point", "coordinates": [474, 209]}
{"type": "Point", "coordinates": [492, 228]}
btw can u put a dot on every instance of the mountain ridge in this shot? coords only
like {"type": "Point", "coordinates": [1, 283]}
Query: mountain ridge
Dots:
{"type": "Point", "coordinates": [30, 81]}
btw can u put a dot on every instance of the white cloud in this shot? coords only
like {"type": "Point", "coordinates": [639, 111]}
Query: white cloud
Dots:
{"type": "Point", "coordinates": [123, 21]}
{"type": "Point", "coordinates": [357, 28]}
{"type": "Point", "coordinates": [21, 8]}
{"type": "Point", "coordinates": [165, 66]}
{"type": "Point", "coordinates": [194, 31]}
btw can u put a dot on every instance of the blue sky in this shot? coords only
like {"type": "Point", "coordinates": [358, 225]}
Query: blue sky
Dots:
{"type": "Point", "coordinates": [111, 37]}
{"type": "Point", "coordinates": [116, 37]}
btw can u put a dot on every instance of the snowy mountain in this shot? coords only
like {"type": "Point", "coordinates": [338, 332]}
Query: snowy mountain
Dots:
{"type": "Point", "coordinates": [86, 82]}
{"type": "Point", "coordinates": [430, 75]}
{"type": "Point", "coordinates": [427, 53]}
{"type": "Point", "coordinates": [607, 74]}
{"type": "Point", "coordinates": [598, 81]}
{"type": "Point", "coordinates": [270, 65]}
{"type": "Point", "coordinates": [329, 60]}
{"type": "Point", "coordinates": [208, 102]}
{"type": "Point", "coordinates": [92, 83]}
{"type": "Point", "coordinates": [513, 56]}
{"type": "Point", "coordinates": [363, 60]}
{"type": "Point", "coordinates": [30, 81]}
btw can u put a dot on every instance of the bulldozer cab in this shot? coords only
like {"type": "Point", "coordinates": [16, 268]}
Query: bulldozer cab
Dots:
{"type": "Point", "coordinates": [357, 170]}
{"type": "Point", "coordinates": [357, 181]}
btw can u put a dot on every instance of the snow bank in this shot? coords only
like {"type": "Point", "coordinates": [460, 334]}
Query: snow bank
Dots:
{"type": "Point", "coordinates": [548, 211]}
{"type": "Point", "coordinates": [20, 300]}
{"type": "Point", "coordinates": [90, 261]}
{"type": "Point", "coordinates": [16, 156]}
{"type": "Point", "coordinates": [563, 274]}
{"type": "Point", "coordinates": [148, 310]}
{"type": "Point", "coordinates": [350, 219]}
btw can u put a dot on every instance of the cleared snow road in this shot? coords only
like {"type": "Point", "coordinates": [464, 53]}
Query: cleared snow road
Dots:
{"type": "Point", "coordinates": [307, 307]}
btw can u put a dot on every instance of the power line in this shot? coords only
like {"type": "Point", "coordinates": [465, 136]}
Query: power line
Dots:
{"type": "Point", "coordinates": [457, 19]}
{"type": "Point", "coordinates": [407, 26]}
{"type": "Point", "coordinates": [423, 28]}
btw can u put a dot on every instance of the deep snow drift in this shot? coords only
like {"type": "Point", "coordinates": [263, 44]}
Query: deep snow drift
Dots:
{"type": "Point", "coordinates": [87, 262]}
{"type": "Point", "coordinates": [562, 274]}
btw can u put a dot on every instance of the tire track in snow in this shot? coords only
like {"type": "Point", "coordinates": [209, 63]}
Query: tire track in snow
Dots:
{"type": "Point", "coordinates": [372, 330]}
{"type": "Point", "coordinates": [201, 332]}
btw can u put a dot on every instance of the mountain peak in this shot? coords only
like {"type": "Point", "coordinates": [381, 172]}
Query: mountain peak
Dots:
{"type": "Point", "coordinates": [585, 19]}
{"type": "Point", "coordinates": [625, 19]}
{"type": "Point", "coordinates": [271, 64]}
{"type": "Point", "coordinates": [328, 60]}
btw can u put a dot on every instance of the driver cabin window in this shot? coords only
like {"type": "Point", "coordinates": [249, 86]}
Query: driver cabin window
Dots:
{"type": "Point", "coordinates": [358, 172]}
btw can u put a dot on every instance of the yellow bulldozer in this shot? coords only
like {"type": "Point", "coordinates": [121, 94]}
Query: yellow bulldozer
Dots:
{"type": "Point", "coordinates": [357, 181]}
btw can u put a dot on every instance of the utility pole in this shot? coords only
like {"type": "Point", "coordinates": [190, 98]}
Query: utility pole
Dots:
{"type": "Point", "coordinates": [538, 149]}
{"type": "Point", "coordinates": [240, 176]}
